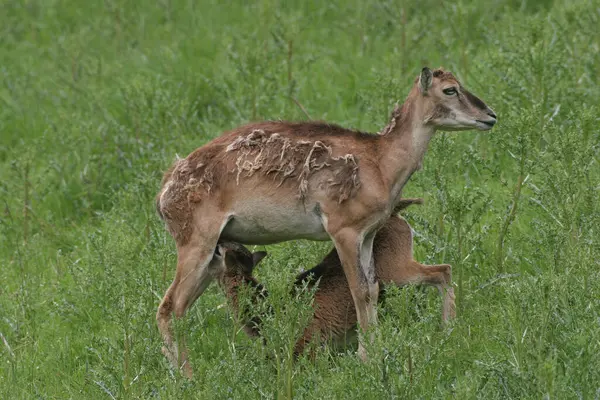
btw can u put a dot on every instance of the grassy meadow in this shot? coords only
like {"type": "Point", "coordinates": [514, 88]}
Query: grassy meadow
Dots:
{"type": "Point", "coordinates": [97, 98]}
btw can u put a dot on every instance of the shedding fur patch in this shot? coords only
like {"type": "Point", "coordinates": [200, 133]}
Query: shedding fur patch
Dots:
{"type": "Point", "coordinates": [274, 154]}
{"type": "Point", "coordinates": [393, 121]}
{"type": "Point", "coordinates": [185, 183]}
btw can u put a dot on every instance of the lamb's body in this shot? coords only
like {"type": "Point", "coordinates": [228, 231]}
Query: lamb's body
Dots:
{"type": "Point", "coordinates": [335, 316]}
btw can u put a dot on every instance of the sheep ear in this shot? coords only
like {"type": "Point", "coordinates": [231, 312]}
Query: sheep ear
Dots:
{"type": "Point", "coordinates": [231, 260]}
{"type": "Point", "coordinates": [257, 256]}
{"type": "Point", "coordinates": [425, 80]}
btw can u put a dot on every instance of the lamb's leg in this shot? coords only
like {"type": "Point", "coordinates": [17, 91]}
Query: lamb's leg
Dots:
{"type": "Point", "coordinates": [447, 292]}
{"type": "Point", "coordinates": [449, 306]}
{"type": "Point", "coordinates": [439, 275]}
{"type": "Point", "coordinates": [306, 338]}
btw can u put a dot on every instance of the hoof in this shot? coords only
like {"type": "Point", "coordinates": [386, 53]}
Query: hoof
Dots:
{"type": "Point", "coordinates": [185, 368]}
{"type": "Point", "coordinates": [449, 311]}
{"type": "Point", "coordinates": [362, 353]}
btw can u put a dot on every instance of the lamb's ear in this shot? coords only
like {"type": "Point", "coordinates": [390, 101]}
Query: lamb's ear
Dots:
{"type": "Point", "coordinates": [218, 251]}
{"type": "Point", "coordinates": [257, 256]}
{"type": "Point", "coordinates": [231, 261]}
{"type": "Point", "coordinates": [425, 80]}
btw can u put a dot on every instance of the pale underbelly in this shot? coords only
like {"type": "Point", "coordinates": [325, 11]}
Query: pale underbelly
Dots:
{"type": "Point", "coordinates": [278, 224]}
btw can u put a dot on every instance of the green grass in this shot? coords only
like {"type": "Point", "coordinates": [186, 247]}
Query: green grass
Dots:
{"type": "Point", "coordinates": [97, 98]}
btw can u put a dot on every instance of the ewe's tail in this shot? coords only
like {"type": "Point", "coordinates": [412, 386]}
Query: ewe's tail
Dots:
{"type": "Point", "coordinates": [166, 178]}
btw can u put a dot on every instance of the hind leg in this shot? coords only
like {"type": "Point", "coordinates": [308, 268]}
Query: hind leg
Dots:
{"type": "Point", "coordinates": [449, 306]}
{"type": "Point", "coordinates": [192, 277]}
{"type": "Point", "coordinates": [447, 293]}
{"type": "Point", "coordinates": [439, 275]}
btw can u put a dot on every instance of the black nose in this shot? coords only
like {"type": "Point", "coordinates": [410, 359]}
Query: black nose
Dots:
{"type": "Point", "coordinates": [491, 114]}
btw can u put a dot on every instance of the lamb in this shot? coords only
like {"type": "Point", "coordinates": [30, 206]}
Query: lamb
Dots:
{"type": "Point", "coordinates": [334, 315]}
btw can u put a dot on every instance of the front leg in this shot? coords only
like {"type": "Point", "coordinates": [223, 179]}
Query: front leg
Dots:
{"type": "Point", "coordinates": [367, 265]}
{"type": "Point", "coordinates": [356, 254]}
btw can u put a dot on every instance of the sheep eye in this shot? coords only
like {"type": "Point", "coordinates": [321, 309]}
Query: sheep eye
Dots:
{"type": "Point", "coordinates": [450, 91]}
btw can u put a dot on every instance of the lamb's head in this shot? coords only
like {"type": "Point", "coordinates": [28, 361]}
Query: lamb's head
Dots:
{"type": "Point", "coordinates": [233, 259]}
